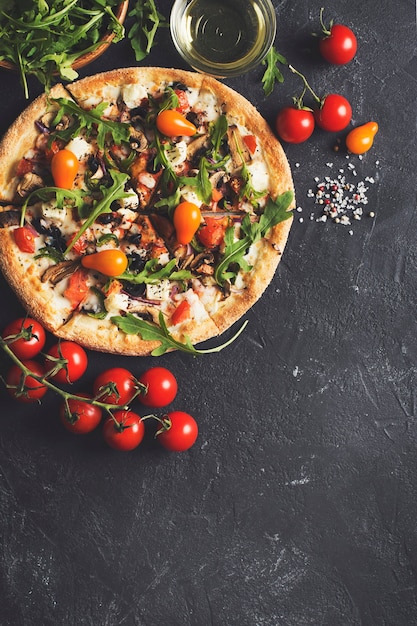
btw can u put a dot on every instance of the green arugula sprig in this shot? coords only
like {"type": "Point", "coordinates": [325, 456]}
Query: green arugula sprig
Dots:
{"type": "Point", "coordinates": [132, 325]}
{"type": "Point", "coordinates": [276, 211]}
{"type": "Point", "coordinates": [44, 39]}
{"type": "Point", "coordinates": [109, 194]}
{"type": "Point", "coordinates": [153, 273]}
{"type": "Point", "coordinates": [63, 197]}
{"type": "Point", "coordinates": [272, 72]}
{"type": "Point", "coordinates": [147, 20]}
{"type": "Point", "coordinates": [89, 122]}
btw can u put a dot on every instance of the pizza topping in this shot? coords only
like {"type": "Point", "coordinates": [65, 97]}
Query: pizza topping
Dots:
{"type": "Point", "coordinates": [64, 168]}
{"type": "Point", "coordinates": [172, 123]}
{"type": "Point", "coordinates": [187, 219]}
{"type": "Point", "coordinates": [24, 237]}
{"type": "Point", "coordinates": [181, 313]}
{"type": "Point", "coordinates": [110, 262]}
{"type": "Point", "coordinates": [78, 288]}
{"type": "Point", "coordinates": [28, 183]}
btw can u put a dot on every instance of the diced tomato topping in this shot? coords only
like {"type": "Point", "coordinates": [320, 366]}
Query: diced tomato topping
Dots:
{"type": "Point", "coordinates": [24, 167]}
{"type": "Point", "coordinates": [212, 233]}
{"type": "Point", "coordinates": [250, 141]}
{"type": "Point", "coordinates": [181, 313]}
{"type": "Point", "coordinates": [183, 104]}
{"type": "Point", "coordinates": [77, 288]}
{"type": "Point", "coordinates": [24, 237]}
{"type": "Point", "coordinates": [53, 149]}
{"type": "Point", "coordinates": [80, 246]}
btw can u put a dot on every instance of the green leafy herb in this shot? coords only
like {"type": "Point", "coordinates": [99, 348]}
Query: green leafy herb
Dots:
{"type": "Point", "coordinates": [217, 131]}
{"type": "Point", "coordinates": [89, 121]}
{"type": "Point", "coordinates": [63, 197]}
{"type": "Point", "coordinates": [110, 194]}
{"type": "Point", "coordinates": [132, 325]}
{"type": "Point", "coordinates": [147, 20]}
{"type": "Point", "coordinates": [274, 213]}
{"type": "Point", "coordinates": [43, 39]}
{"type": "Point", "coordinates": [272, 73]}
{"type": "Point", "coordinates": [153, 273]}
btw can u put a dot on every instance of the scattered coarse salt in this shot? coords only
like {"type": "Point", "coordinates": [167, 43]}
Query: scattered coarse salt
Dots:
{"type": "Point", "coordinates": [341, 200]}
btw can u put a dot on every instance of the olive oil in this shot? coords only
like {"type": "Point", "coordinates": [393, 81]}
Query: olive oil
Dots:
{"type": "Point", "coordinates": [222, 36]}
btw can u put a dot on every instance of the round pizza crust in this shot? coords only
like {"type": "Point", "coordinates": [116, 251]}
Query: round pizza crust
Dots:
{"type": "Point", "coordinates": [104, 336]}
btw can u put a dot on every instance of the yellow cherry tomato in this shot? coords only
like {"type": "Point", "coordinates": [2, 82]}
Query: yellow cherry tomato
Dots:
{"type": "Point", "coordinates": [110, 262]}
{"type": "Point", "coordinates": [361, 138]}
{"type": "Point", "coordinates": [172, 123]}
{"type": "Point", "coordinates": [187, 219]}
{"type": "Point", "coordinates": [64, 168]}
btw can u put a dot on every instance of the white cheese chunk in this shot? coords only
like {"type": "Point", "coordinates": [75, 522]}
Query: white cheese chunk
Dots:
{"type": "Point", "coordinates": [160, 291]}
{"type": "Point", "coordinates": [51, 213]}
{"type": "Point", "coordinates": [177, 153]}
{"type": "Point", "coordinates": [80, 147]}
{"type": "Point", "coordinates": [260, 175]}
{"type": "Point", "coordinates": [133, 94]}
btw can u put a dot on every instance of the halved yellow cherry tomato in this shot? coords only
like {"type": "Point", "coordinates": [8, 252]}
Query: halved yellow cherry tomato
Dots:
{"type": "Point", "coordinates": [172, 123]}
{"type": "Point", "coordinates": [361, 138]}
{"type": "Point", "coordinates": [187, 219]}
{"type": "Point", "coordinates": [64, 168]}
{"type": "Point", "coordinates": [110, 262]}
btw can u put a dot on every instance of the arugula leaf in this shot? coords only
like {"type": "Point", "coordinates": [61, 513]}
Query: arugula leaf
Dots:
{"type": "Point", "coordinates": [132, 325]}
{"type": "Point", "coordinates": [43, 38]}
{"type": "Point", "coordinates": [152, 273]}
{"type": "Point", "coordinates": [91, 122]}
{"type": "Point", "coordinates": [75, 197]}
{"type": "Point", "coordinates": [110, 194]}
{"type": "Point", "coordinates": [274, 213]}
{"type": "Point", "coordinates": [272, 73]}
{"type": "Point", "coordinates": [217, 131]}
{"type": "Point", "coordinates": [147, 21]}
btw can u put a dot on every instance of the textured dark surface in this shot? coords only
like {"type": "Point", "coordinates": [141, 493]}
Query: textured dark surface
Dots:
{"type": "Point", "coordinates": [297, 506]}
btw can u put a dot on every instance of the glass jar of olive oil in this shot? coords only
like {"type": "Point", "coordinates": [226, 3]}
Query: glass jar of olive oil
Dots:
{"type": "Point", "coordinates": [223, 38]}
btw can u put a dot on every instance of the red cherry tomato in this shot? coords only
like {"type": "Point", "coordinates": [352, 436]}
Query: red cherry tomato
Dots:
{"type": "Point", "coordinates": [361, 138]}
{"type": "Point", "coordinates": [26, 389]}
{"type": "Point", "coordinates": [115, 386]}
{"type": "Point", "coordinates": [83, 417]}
{"type": "Point", "coordinates": [32, 340]}
{"type": "Point", "coordinates": [25, 238]}
{"type": "Point", "coordinates": [334, 113]}
{"type": "Point", "coordinates": [187, 219]}
{"type": "Point", "coordinates": [125, 431]}
{"type": "Point", "coordinates": [161, 387]}
{"type": "Point", "coordinates": [64, 168]}
{"type": "Point", "coordinates": [172, 123]}
{"type": "Point", "coordinates": [339, 45]}
{"type": "Point", "coordinates": [112, 262]}
{"type": "Point", "coordinates": [211, 234]}
{"type": "Point", "coordinates": [294, 125]}
{"type": "Point", "coordinates": [67, 360]}
{"type": "Point", "coordinates": [178, 432]}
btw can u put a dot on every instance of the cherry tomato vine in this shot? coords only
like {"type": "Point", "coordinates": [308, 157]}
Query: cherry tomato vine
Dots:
{"type": "Point", "coordinates": [114, 389]}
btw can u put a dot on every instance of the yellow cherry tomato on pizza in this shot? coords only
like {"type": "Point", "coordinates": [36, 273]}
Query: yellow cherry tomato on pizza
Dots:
{"type": "Point", "coordinates": [187, 219]}
{"type": "Point", "coordinates": [360, 139]}
{"type": "Point", "coordinates": [64, 168]}
{"type": "Point", "coordinates": [173, 123]}
{"type": "Point", "coordinates": [111, 262]}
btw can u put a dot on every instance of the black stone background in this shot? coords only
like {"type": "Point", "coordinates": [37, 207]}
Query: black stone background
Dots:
{"type": "Point", "coordinates": [297, 505]}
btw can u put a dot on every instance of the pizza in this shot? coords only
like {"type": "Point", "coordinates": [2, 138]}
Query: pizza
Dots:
{"type": "Point", "coordinates": [172, 219]}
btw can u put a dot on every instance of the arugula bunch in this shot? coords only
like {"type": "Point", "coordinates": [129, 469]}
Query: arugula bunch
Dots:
{"type": "Point", "coordinates": [44, 39]}
{"type": "Point", "coordinates": [233, 260]}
